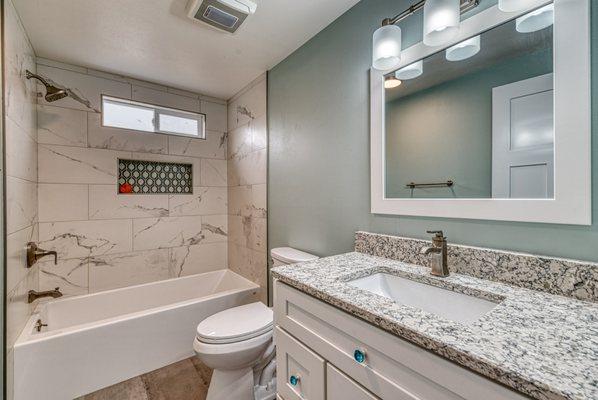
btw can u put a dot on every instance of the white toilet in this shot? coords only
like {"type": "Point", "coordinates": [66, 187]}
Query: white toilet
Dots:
{"type": "Point", "coordinates": [237, 344]}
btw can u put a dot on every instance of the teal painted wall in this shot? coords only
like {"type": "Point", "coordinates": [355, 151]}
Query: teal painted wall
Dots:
{"type": "Point", "coordinates": [319, 175]}
{"type": "Point", "coordinates": [428, 140]}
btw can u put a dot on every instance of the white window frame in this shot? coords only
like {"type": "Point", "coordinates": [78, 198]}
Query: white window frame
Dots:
{"type": "Point", "coordinates": [572, 202]}
{"type": "Point", "coordinates": [159, 110]}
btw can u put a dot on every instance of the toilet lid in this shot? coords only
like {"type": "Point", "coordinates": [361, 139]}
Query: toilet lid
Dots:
{"type": "Point", "coordinates": [236, 324]}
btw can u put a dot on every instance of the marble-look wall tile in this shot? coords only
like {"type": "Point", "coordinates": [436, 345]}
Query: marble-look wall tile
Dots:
{"type": "Point", "coordinates": [106, 240]}
{"type": "Point", "coordinates": [124, 139]}
{"type": "Point", "coordinates": [126, 79]}
{"type": "Point", "coordinates": [71, 276]}
{"type": "Point", "coordinates": [259, 133]}
{"type": "Point", "coordinates": [250, 104]}
{"type": "Point", "coordinates": [214, 228]}
{"type": "Point", "coordinates": [17, 308]}
{"type": "Point", "coordinates": [216, 119]}
{"type": "Point", "coordinates": [248, 200]}
{"type": "Point", "coordinates": [88, 87]}
{"type": "Point", "coordinates": [213, 146]}
{"type": "Point", "coordinates": [250, 264]}
{"type": "Point", "coordinates": [248, 232]}
{"type": "Point", "coordinates": [190, 260]}
{"type": "Point", "coordinates": [79, 239]}
{"type": "Point", "coordinates": [246, 179]}
{"type": "Point", "coordinates": [21, 167]}
{"type": "Point", "coordinates": [249, 170]}
{"type": "Point", "coordinates": [213, 172]}
{"type": "Point", "coordinates": [21, 153]}
{"type": "Point", "coordinates": [21, 204]}
{"type": "Point", "coordinates": [66, 164]}
{"type": "Point", "coordinates": [203, 201]}
{"type": "Point", "coordinates": [20, 93]}
{"type": "Point", "coordinates": [16, 255]}
{"type": "Point", "coordinates": [62, 202]}
{"type": "Point", "coordinates": [239, 142]}
{"type": "Point", "coordinates": [165, 99]}
{"type": "Point", "coordinates": [106, 203]}
{"type": "Point", "coordinates": [61, 126]}
{"type": "Point", "coordinates": [120, 270]}
{"type": "Point", "coordinates": [167, 232]}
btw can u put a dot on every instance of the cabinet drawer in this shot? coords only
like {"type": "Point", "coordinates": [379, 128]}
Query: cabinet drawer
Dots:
{"type": "Point", "coordinates": [340, 387]}
{"type": "Point", "coordinates": [299, 371]}
{"type": "Point", "coordinates": [393, 368]}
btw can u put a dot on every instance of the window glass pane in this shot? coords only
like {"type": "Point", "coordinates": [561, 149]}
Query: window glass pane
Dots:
{"type": "Point", "coordinates": [129, 116]}
{"type": "Point", "coordinates": [176, 124]}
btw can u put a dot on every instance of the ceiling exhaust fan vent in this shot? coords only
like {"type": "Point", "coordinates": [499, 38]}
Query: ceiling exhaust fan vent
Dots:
{"type": "Point", "coordinates": [224, 15]}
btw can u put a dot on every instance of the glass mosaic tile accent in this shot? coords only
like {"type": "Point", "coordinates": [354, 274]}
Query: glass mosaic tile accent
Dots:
{"type": "Point", "coordinates": [152, 177]}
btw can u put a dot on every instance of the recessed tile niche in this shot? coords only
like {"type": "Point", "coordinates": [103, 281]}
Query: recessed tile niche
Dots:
{"type": "Point", "coordinates": [151, 177]}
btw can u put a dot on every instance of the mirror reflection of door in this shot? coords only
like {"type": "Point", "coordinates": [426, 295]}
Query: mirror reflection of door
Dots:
{"type": "Point", "coordinates": [523, 139]}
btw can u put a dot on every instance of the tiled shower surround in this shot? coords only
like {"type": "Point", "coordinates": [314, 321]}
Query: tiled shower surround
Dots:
{"type": "Point", "coordinates": [106, 240]}
{"type": "Point", "coordinates": [21, 176]}
{"type": "Point", "coordinates": [247, 158]}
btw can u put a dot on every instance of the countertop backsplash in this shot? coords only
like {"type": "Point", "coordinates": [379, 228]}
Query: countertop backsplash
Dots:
{"type": "Point", "coordinates": [571, 278]}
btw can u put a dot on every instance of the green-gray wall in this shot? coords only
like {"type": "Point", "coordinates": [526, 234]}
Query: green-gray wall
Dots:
{"type": "Point", "coordinates": [428, 140]}
{"type": "Point", "coordinates": [319, 175]}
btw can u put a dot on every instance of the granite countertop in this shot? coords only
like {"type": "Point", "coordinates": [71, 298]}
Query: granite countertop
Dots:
{"type": "Point", "coordinates": [543, 345]}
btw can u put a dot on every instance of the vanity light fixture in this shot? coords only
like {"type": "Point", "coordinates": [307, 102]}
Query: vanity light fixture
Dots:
{"type": "Point", "coordinates": [464, 50]}
{"type": "Point", "coordinates": [536, 20]}
{"type": "Point", "coordinates": [391, 82]}
{"type": "Point", "coordinates": [411, 71]}
{"type": "Point", "coordinates": [441, 23]}
{"type": "Point", "coordinates": [387, 47]}
{"type": "Point", "coordinates": [514, 5]}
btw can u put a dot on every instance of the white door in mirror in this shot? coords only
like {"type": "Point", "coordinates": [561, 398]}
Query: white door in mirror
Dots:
{"type": "Point", "coordinates": [523, 139]}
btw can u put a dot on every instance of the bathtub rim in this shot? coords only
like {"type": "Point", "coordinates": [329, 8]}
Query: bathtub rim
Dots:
{"type": "Point", "coordinates": [28, 336]}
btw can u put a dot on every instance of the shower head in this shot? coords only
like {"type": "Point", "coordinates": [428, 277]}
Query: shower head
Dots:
{"type": "Point", "coordinates": [53, 93]}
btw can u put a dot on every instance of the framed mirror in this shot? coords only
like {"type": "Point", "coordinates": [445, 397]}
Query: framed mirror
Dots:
{"type": "Point", "coordinates": [494, 125]}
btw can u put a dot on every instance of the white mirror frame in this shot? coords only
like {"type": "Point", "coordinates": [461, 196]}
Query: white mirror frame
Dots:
{"type": "Point", "coordinates": [572, 113]}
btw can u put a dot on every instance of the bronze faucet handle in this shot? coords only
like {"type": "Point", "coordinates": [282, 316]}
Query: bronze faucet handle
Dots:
{"type": "Point", "coordinates": [34, 253]}
{"type": "Point", "coordinates": [439, 234]}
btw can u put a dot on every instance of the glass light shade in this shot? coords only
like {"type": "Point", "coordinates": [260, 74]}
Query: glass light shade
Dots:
{"type": "Point", "coordinates": [441, 21]}
{"type": "Point", "coordinates": [411, 71]}
{"type": "Point", "coordinates": [536, 20]}
{"type": "Point", "coordinates": [391, 82]}
{"type": "Point", "coordinates": [465, 49]}
{"type": "Point", "coordinates": [386, 52]}
{"type": "Point", "coordinates": [514, 5]}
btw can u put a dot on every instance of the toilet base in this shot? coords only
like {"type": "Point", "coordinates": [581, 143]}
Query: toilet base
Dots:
{"type": "Point", "coordinates": [231, 385]}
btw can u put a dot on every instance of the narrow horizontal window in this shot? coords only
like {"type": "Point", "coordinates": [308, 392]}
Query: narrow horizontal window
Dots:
{"type": "Point", "coordinates": [128, 114]}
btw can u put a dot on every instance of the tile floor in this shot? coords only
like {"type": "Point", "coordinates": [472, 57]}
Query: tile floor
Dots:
{"type": "Point", "coordinates": [185, 380]}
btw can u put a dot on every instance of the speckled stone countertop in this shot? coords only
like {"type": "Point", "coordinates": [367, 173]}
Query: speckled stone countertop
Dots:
{"type": "Point", "coordinates": [543, 345]}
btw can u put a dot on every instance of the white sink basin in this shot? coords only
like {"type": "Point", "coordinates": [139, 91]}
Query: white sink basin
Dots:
{"type": "Point", "coordinates": [445, 303]}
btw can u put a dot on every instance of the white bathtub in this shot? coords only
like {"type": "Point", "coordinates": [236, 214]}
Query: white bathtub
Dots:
{"type": "Point", "coordinates": [97, 340]}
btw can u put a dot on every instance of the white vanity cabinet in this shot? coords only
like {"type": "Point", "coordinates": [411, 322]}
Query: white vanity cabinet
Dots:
{"type": "Point", "coordinates": [317, 349]}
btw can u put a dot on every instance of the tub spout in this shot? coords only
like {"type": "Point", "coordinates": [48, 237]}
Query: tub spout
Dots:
{"type": "Point", "coordinates": [33, 295]}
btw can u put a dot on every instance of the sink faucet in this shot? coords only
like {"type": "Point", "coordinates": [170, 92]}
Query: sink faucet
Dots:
{"type": "Point", "coordinates": [33, 295]}
{"type": "Point", "coordinates": [438, 250]}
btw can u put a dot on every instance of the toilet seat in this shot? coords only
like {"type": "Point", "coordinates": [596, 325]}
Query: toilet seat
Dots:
{"type": "Point", "coordinates": [236, 324]}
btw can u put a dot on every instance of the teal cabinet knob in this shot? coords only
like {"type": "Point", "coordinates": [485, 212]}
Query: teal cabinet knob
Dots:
{"type": "Point", "coordinates": [359, 356]}
{"type": "Point", "coordinates": [294, 380]}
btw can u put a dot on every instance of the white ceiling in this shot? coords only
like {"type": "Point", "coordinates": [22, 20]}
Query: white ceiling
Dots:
{"type": "Point", "coordinates": [155, 41]}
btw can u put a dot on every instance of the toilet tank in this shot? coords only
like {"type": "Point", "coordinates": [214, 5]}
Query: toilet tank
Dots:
{"type": "Point", "coordinates": [287, 255]}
